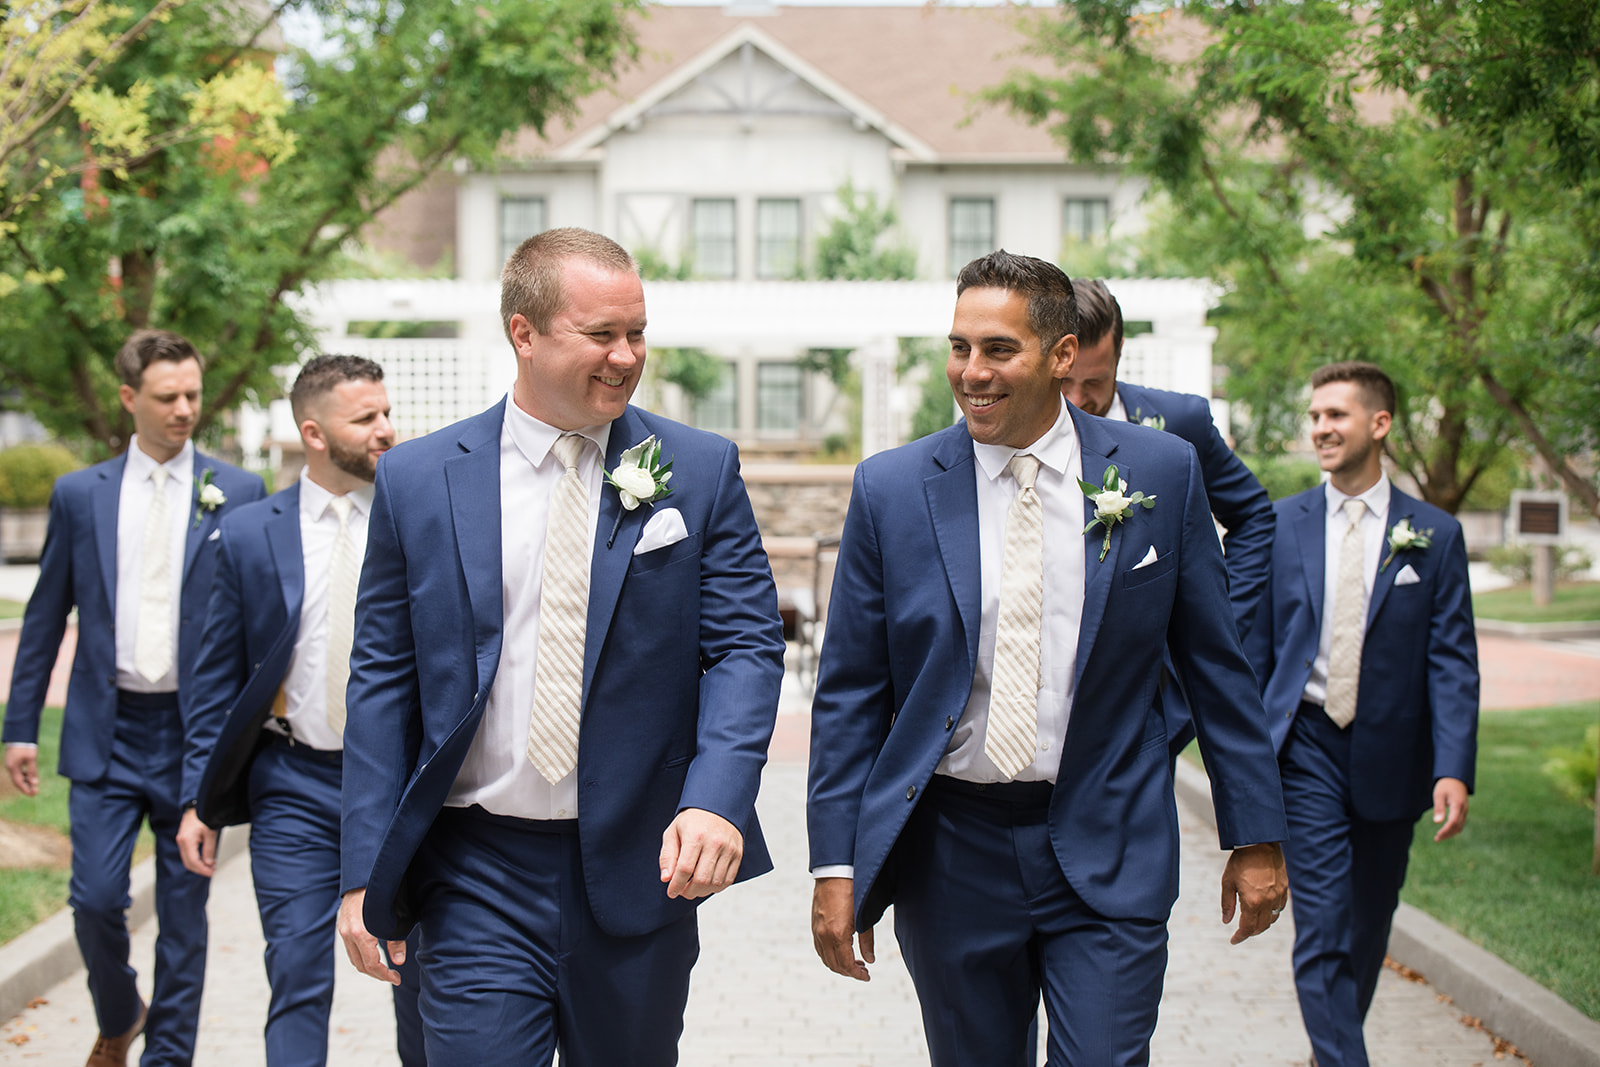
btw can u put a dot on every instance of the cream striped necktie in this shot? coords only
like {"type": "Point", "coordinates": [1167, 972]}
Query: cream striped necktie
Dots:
{"type": "Point", "coordinates": [152, 641]}
{"type": "Point", "coordinates": [563, 616]}
{"type": "Point", "coordinates": [1013, 728]}
{"type": "Point", "coordinates": [344, 576]}
{"type": "Point", "coordinates": [1349, 621]}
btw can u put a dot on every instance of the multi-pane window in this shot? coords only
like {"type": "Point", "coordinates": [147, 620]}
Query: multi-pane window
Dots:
{"type": "Point", "coordinates": [520, 218]}
{"type": "Point", "coordinates": [971, 230]}
{"type": "Point", "coordinates": [1085, 220]}
{"type": "Point", "coordinates": [718, 410]}
{"type": "Point", "coordinates": [780, 396]}
{"type": "Point", "coordinates": [713, 234]}
{"type": "Point", "coordinates": [777, 238]}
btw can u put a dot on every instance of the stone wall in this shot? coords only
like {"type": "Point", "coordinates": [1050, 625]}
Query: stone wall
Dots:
{"type": "Point", "coordinates": [794, 504]}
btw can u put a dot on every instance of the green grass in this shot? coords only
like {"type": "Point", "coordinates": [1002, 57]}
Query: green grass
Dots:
{"type": "Point", "coordinates": [1573, 602]}
{"type": "Point", "coordinates": [11, 609]}
{"type": "Point", "coordinates": [29, 896]}
{"type": "Point", "coordinates": [1517, 880]}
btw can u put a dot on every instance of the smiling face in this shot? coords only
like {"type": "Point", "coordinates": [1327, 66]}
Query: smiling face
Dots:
{"type": "Point", "coordinates": [1092, 385]}
{"type": "Point", "coordinates": [165, 406]}
{"type": "Point", "coordinates": [1348, 436]}
{"type": "Point", "coordinates": [1008, 389]}
{"type": "Point", "coordinates": [583, 371]}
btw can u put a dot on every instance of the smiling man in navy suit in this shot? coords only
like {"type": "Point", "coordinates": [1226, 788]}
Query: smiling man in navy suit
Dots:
{"type": "Point", "coordinates": [1237, 498]}
{"type": "Point", "coordinates": [264, 735]}
{"type": "Point", "coordinates": [987, 753]}
{"type": "Point", "coordinates": [131, 544]}
{"type": "Point", "coordinates": [564, 680]}
{"type": "Point", "coordinates": [1370, 667]}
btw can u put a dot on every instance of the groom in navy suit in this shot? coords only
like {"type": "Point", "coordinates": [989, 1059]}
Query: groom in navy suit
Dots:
{"type": "Point", "coordinates": [131, 544]}
{"type": "Point", "coordinates": [264, 733]}
{"type": "Point", "coordinates": [1237, 498]}
{"type": "Point", "coordinates": [987, 753]}
{"type": "Point", "coordinates": [561, 692]}
{"type": "Point", "coordinates": [1370, 666]}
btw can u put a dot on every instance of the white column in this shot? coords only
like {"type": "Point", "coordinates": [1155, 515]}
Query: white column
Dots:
{"type": "Point", "coordinates": [878, 358]}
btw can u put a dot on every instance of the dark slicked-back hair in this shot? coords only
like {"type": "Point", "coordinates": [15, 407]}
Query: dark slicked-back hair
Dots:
{"type": "Point", "coordinates": [144, 347]}
{"type": "Point", "coordinates": [321, 375]}
{"type": "Point", "coordinates": [1098, 314]}
{"type": "Point", "coordinates": [530, 282]}
{"type": "Point", "coordinates": [1052, 307]}
{"type": "Point", "coordinates": [1377, 390]}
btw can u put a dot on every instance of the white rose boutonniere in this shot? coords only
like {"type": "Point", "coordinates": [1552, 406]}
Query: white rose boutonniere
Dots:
{"type": "Point", "coordinates": [1403, 537]}
{"type": "Point", "coordinates": [209, 496]}
{"type": "Point", "coordinates": [1112, 504]}
{"type": "Point", "coordinates": [1155, 422]}
{"type": "Point", "coordinates": [640, 477]}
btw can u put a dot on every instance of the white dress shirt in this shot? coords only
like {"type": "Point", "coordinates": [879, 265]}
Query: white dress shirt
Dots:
{"type": "Point", "coordinates": [497, 774]}
{"type": "Point", "coordinates": [1373, 524]}
{"type": "Point", "coordinates": [1060, 467]}
{"type": "Point", "coordinates": [133, 506]}
{"type": "Point", "coordinates": [305, 687]}
{"type": "Point", "coordinates": [1118, 410]}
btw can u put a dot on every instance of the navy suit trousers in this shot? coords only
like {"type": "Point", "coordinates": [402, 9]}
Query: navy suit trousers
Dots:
{"type": "Point", "coordinates": [294, 861]}
{"type": "Point", "coordinates": [514, 966]}
{"type": "Point", "coordinates": [987, 921]}
{"type": "Point", "coordinates": [1345, 875]}
{"type": "Point", "coordinates": [143, 780]}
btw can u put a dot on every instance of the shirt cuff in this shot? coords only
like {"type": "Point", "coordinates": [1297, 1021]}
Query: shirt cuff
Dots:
{"type": "Point", "coordinates": [28, 746]}
{"type": "Point", "coordinates": [834, 870]}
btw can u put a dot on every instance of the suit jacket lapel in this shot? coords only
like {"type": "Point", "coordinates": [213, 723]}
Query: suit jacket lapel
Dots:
{"type": "Point", "coordinates": [197, 532]}
{"type": "Point", "coordinates": [952, 492]}
{"type": "Point", "coordinates": [1312, 530]}
{"type": "Point", "coordinates": [107, 502]}
{"type": "Point", "coordinates": [283, 538]}
{"type": "Point", "coordinates": [473, 482]}
{"type": "Point", "coordinates": [608, 564]}
{"type": "Point", "coordinates": [1096, 447]}
{"type": "Point", "coordinates": [1400, 509]}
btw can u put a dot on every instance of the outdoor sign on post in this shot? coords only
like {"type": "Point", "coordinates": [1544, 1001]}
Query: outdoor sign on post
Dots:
{"type": "Point", "coordinates": [1540, 519]}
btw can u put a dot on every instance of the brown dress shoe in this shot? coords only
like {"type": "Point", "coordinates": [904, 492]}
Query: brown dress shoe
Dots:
{"type": "Point", "coordinates": [113, 1051]}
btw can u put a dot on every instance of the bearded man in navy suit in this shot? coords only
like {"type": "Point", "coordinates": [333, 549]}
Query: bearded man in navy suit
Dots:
{"type": "Point", "coordinates": [1370, 666]}
{"type": "Point", "coordinates": [1238, 500]}
{"type": "Point", "coordinates": [561, 692]}
{"type": "Point", "coordinates": [987, 752]}
{"type": "Point", "coordinates": [132, 545]}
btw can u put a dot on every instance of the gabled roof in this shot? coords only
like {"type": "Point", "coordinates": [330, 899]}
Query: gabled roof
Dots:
{"type": "Point", "coordinates": [910, 72]}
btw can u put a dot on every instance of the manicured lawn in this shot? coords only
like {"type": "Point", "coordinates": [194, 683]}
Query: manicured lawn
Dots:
{"type": "Point", "coordinates": [1517, 880]}
{"type": "Point", "coordinates": [1573, 602]}
{"type": "Point", "coordinates": [11, 609]}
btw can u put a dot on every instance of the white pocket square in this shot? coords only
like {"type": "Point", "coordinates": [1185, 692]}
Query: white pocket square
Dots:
{"type": "Point", "coordinates": [664, 528]}
{"type": "Point", "coordinates": [1149, 558]}
{"type": "Point", "coordinates": [214, 535]}
{"type": "Point", "coordinates": [1407, 576]}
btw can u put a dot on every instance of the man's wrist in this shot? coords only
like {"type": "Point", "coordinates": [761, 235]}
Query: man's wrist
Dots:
{"type": "Point", "coordinates": [26, 746]}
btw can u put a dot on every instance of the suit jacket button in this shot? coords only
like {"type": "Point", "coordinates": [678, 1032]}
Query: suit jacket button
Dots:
{"type": "Point", "coordinates": [949, 721]}
{"type": "Point", "coordinates": [911, 792]}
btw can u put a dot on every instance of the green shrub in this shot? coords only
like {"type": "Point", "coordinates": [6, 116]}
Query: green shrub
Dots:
{"type": "Point", "coordinates": [1282, 476]}
{"type": "Point", "coordinates": [1573, 769]}
{"type": "Point", "coordinates": [29, 472]}
{"type": "Point", "coordinates": [1515, 561]}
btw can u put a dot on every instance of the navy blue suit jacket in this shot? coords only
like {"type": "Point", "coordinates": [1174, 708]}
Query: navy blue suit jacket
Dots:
{"type": "Point", "coordinates": [252, 624]}
{"type": "Point", "coordinates": [1417, 704]}
{"type": "Point", "coordinates": [902, 644]}
{"type": "Point", "coordinates": [682, 663]}
{"type": "Point", "coordinates": [79, 568]}
{"type": "Point", "coordinates": [1238, 499]}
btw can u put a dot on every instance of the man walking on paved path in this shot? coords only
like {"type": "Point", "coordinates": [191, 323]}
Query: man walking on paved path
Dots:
{"type": "Point", "coordinates": [987, 752]}
{"type": "Point", "coordinates": [131, 544]}
{"type": "Point", "coordinates": [1370, 678]}
{"type": "Point", "coordinates": [1237, 499]}
{"type": "Point", "coordinates": [561, 692]}
{"type": "Point", "coordinates": [265, 732]}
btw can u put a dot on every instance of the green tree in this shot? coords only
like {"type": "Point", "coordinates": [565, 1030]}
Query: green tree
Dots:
{"type": "Point", "coordinates": [1411, 182]}
{"type": "Point", "coordinates": [212, 233]}
{"type": "Point", "coordinates": [858, 244]}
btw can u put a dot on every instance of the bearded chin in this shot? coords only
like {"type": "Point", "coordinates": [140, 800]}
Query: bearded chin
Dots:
{"type": "Point", "coordinates": [359, 464]}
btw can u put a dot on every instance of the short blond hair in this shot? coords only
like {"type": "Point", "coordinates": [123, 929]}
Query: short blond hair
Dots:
{"type": "Point", "coordinates": [530, 282]}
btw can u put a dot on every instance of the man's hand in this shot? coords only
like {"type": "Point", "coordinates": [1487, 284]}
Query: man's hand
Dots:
{"type": "Point", "coordinates": [197, 844]}
{"type": "Point", "coordinates": [1449, 806]}
{"type": "Point", "coordinates": [700, 854]}
{"type": "Point", "coordinates": [22, 764]}
{"type": "Point", "coordinates": [361, 946]}
{"type": "Point", "coordinates": [833, 928]}
{"type": "Point", "coordinates": [1255, 874]}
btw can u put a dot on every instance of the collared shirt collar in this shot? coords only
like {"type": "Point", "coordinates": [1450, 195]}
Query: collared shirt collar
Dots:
{"type": "Point", "coordinates": [534, 438]}
{"type": "Point", "coordinates": [1118, 411]}
{"type": "Point", "coordinates": [1376, 498]}
{"type": "Point", "coordinates": [1053, 450]}
{"type": "Point", "coordinates": [314, 499]}
{"type": "Point", "coordinates": [141, 463]}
